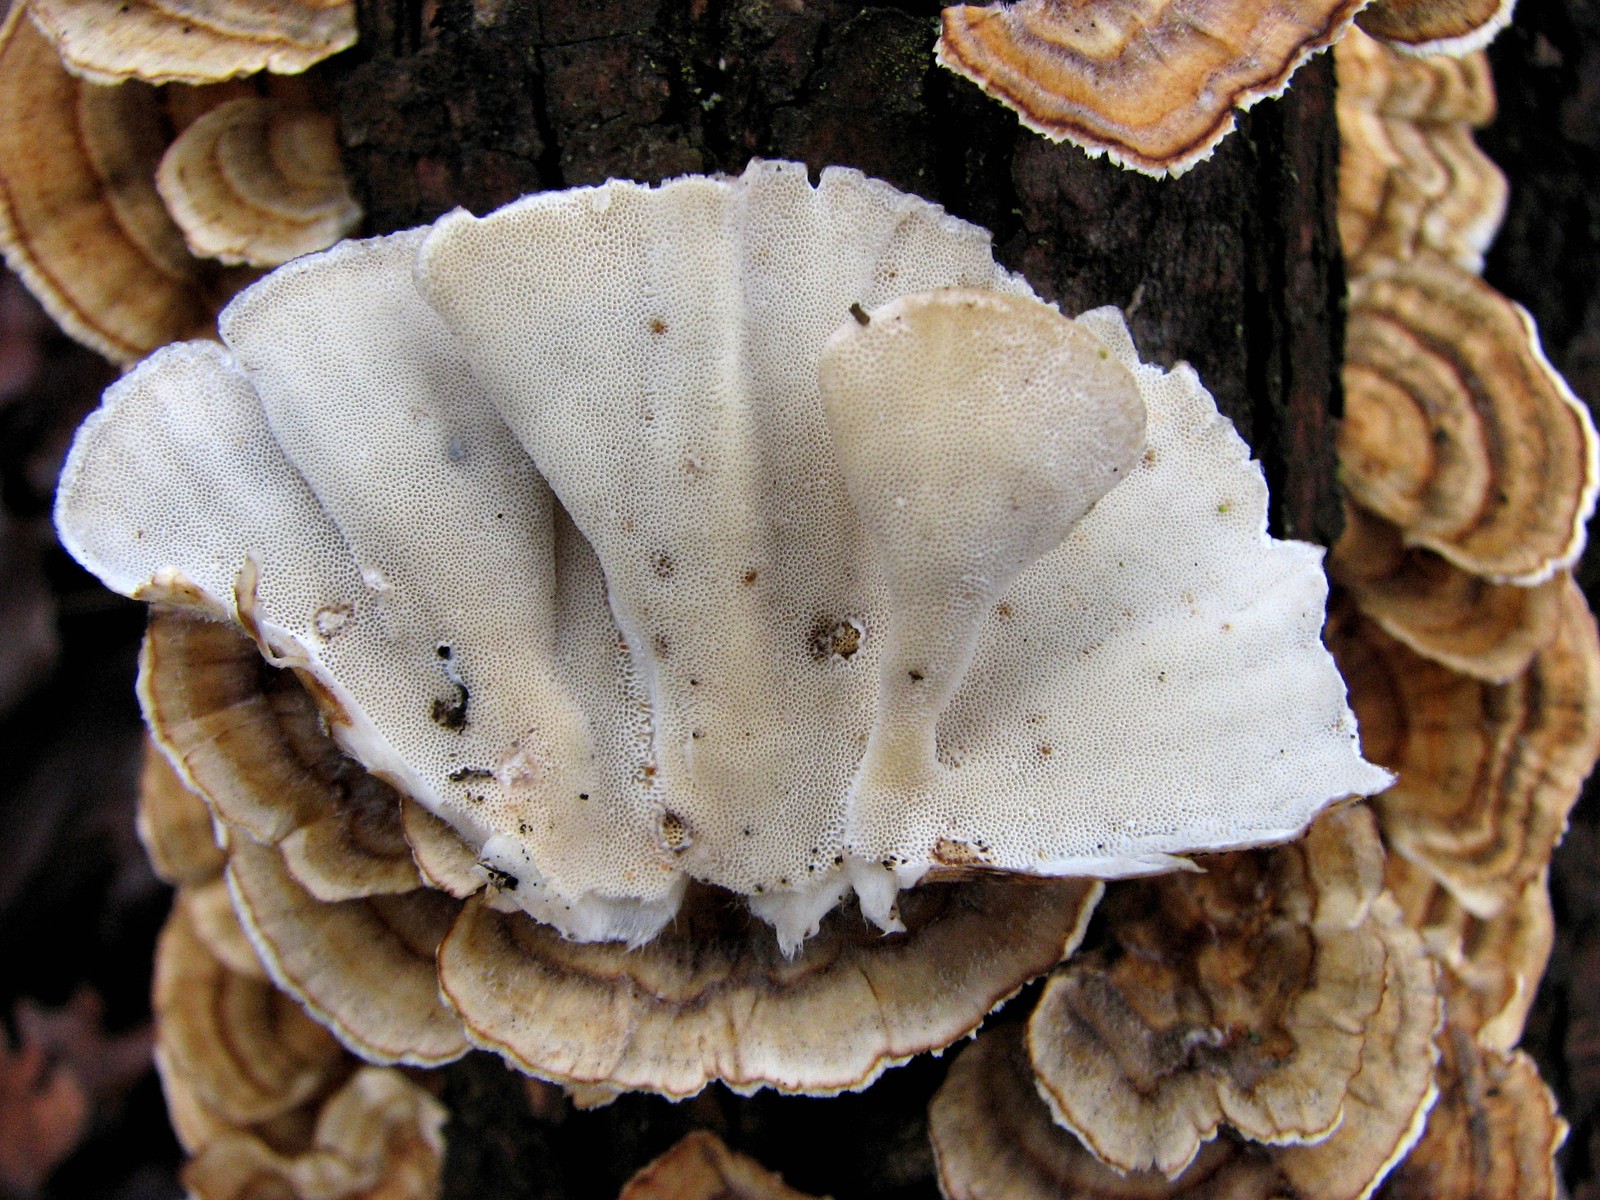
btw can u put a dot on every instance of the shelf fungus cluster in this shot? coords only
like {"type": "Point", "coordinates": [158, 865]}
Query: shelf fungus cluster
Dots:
{"type": "Point", "coordinates": [755, 624]}
{"type": "Point", "coordinates": [1473, 660]}
{"type": "Point", "coordinates": [1156, 86]}
{"type": "Point", "coordinates": [128, 208]}
{"type": "Point", "coordinates": [1338, 1015]}
{"type": "Point", "coordinates": [1279, 1001]}
{"type": "Point", "coordinates": [264, 1100]}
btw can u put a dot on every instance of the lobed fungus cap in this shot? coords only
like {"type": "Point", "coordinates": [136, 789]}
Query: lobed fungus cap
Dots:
{"type": "Point", "coordinates": [1152, 86]}
{"type": "Point", "coordinates": [1457, 430]}
{"type": "Point", "coordinates": [258, 181]}
{"type": "Point", "coordinates": [1436, 27]}
{"type": "Point", "coordinates": [192, 41]}
{"type": "Point", "coordinates": [80, 219]}
{"type": "Point", "coordinates": [588, 546]}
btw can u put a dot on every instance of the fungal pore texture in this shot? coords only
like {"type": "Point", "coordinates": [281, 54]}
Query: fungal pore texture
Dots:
{"type": "Point", "coordinates": [754, 531]}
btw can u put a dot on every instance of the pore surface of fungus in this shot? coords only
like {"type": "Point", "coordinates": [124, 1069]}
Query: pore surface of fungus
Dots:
{"type": "Point", "coordinates": [576, 550]}
{"type": "Point", "coordinates": [1152, 85]}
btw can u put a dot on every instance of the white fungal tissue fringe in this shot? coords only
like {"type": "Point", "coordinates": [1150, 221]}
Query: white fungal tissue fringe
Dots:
{"type": "Point", "coordinates": [746, 530]}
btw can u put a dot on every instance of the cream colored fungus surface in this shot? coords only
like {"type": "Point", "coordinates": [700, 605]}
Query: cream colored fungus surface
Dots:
{"type": "Point", "coordinates": [607, 555]}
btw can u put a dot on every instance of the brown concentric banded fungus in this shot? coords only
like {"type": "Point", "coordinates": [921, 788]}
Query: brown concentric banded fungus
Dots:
{"type": "Point", "coordinates": [174, 824]}
{"type": "Point", "coordinates": [1410, 188]}
{"type": "Point", "coordinates": [1457, 430]}
{"type": "Point", "coordinates": [993, 1140]}
{"type": "Point", "coordinates": [1487, 773]}
{"type": "Point", "coordinates": [363, 967]}
{"type": "Point", "coordinates": [701, 1167]}
{"type": "Point", "coordinates": [1243, 996]}
{"type": "Point", "coordinates": [246, 727]}
{"type": "Point", "coordinates": [993, 1137]}
{"type": "Point", "coordinates": [1493, 1135]}
{"type": "Point", "coordinates": [80, 220]}
{"type": "Point", "coordinates": [245, 1051]}
{"type": "Point", "coordinates": [1436, 27]}
{"type": "Point", "coordinates": [379, 1137]}
{"type": "Point", "coordinates": [712, 997]}
{"type": "Point", "coordinates": [1490, 631]}
{"type": "Point", "coordinates": [193, 41]}
{"type": "Point", "coordinates": [258, 181]}
{"type": "Point", "coordinates": [252, 741]}
{"type": "Point", "coordinates": [1153, 86]}
{"type": "Point", "coordinates": [1491, 968]}
{"type": "Point", "coordinates": [1434, 89]}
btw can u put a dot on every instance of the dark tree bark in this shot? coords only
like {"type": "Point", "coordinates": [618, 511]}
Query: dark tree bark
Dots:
{"type": "Point", "coordinates": [1234, 267]}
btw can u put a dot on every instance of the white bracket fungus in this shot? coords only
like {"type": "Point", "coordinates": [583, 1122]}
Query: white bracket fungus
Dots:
{"type": "Point", "coordinates": [597, 544]}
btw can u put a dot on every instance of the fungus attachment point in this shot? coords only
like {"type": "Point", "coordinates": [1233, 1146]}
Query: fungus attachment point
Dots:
{"type": "Point", "coordinates": [973, 430]}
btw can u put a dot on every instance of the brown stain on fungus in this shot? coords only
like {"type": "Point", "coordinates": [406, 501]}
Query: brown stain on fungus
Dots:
{"type": "Point", "coordinates": [834, 638]}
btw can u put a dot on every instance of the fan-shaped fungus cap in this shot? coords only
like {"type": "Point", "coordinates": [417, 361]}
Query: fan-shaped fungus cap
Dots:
{"type": "Point", "coordinates": [193, 41]}
{"type": "Point", "coordinates": [712, 997]}
{"type": "Point", "coordinates": [379, 1136]}
{"type": "Point", "coordinates": [364, 968]}
{"type": "Point", "coordinates": [259, 182]}
{"type": "Point", "coordinates": [174, 824]}
{"type": "Point", "coordinates": [80, 220]}
{"type": "Point", "coordinates": [1153, 86]}
{"type": "Point", "coordinates": [1242, 996]}
{"type": "Point", "coordinates": [1491, 968]}
{"type": "Point", "coordinates": [1490, 631]}
{"type": "Point", "coordinates": [1493, 1135]}
{"type": "Point", "coordinates": [655, 352]}
{"type": "Point", "coordinates": [1457, 430]}
{"type": "Point", "coordinates": [243, 1049]}
{"type": "Point", "coordinates": [1429, 27]}
{"type": "Point", "coordinates": [701, 1167]}
{"type": "Point", "coordinates": [1409, 188]}
{"type": "Point", "coordinates": [1487, 773]}
{"type": "Point", "coordinates": [535, 998]}
{"type": "Point", "coordinates": [1374, 77]}
{"type": "Point", "coordinates": [251, 740]}
{"type": "Point", "coordinates": [993, 1138]}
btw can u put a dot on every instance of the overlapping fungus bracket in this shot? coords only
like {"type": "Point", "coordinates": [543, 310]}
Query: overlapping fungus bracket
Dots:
{"type": "Point", "coordinates": [258, 181]}
{"type": "Point", "coordinates": [712, 997]}
{"type": "Point", "coordinates": [1147, 1056]}
{"type": "Point", "coordinates": [1490, 631]}
{"type": "Point", "coordinates": [1154, 86]}
{"type": "Point", "coordinates": [523, 549]}
{"type": "Point", "coordinates": [1430, 89]}
{"type": "Point", "coordinates": [1436, 27]}
{"type": "Point", "coordinates": [80, 219]}
{"type": "Point", "coordinates": [1487, 772]}
{"type": "Point", "coordinates": [192, 41]}
{"type": "Point", "coordinates": [1473, 446]}
{"type": "Point", "coordinates": [1408, 188]}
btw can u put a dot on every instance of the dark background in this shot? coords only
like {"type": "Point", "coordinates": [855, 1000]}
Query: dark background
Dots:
{"type": "Point", "coordinates": [79, 907]}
